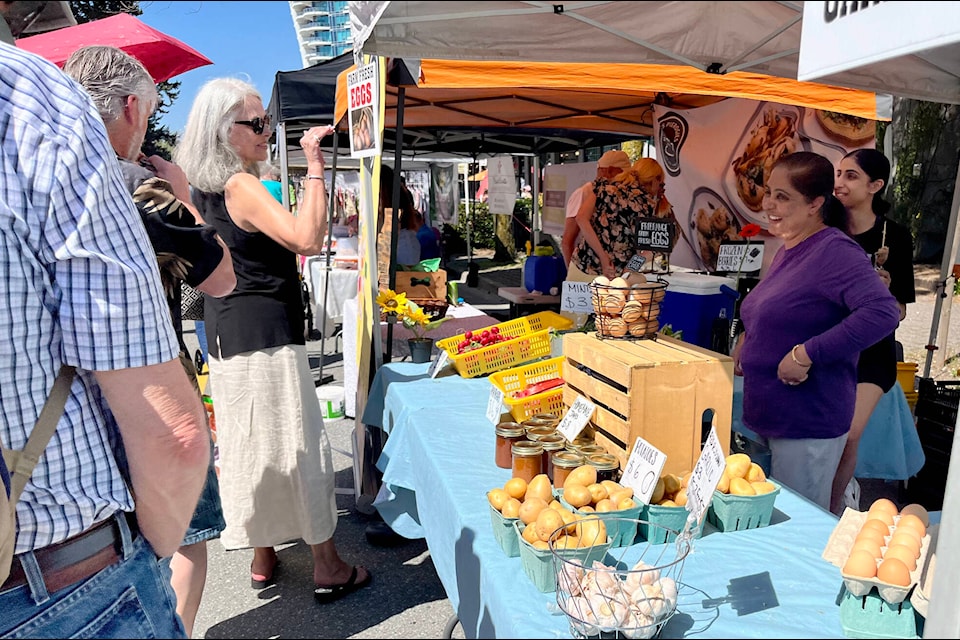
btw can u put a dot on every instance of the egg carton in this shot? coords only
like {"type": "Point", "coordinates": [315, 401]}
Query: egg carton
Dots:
{"type": "Point", "coordinates": [838, 550]}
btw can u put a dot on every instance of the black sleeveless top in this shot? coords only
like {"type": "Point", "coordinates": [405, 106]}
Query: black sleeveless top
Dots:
{"type": "Point", "coordinates": [266, 308]}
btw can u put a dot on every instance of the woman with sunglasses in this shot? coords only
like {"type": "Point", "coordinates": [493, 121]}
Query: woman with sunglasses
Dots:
{"type": "Point", "coordinates": [276, 468]}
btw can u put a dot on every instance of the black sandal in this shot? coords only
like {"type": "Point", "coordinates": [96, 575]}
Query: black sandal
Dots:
{"type": "Point", "coordinates": [327, 594]}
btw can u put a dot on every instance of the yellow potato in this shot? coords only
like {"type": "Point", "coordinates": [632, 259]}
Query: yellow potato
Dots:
{"type": "Point", "coordinates": [540, 544]}
{"type": "Point", "coordinates": [740, 487]}
{"type": "Point", "coordinates": [671, 484]}
{"type": "Point", "coordinates": [626, 503]}
{"type": "Point", "coordinates": [530, 534]}
{"type": "Point", "coordinates": [567, 542]}
{"type": "Point", "coordinates": [668, 503]}
{"type": "Point", "coordinates": [597, 492]}
{"type": "Point", "coordinates": [569, 519]}
{"type": "Point", "coordinates": [619, 496]}
{"type": "Point", "coordinates": [497, 498]}
{"type": "Point", "coordinates": [547, 522]}
{"type": "Point", "coordinates": [724, 485]}
{"type": "Point", "coordinates": [587, 509]}
{"type": "Point", "coordinates": [613, 487]}
{"type": "Point", "coordinates": [755, 473]}
{"type": "Point", "coordinates": [516, 487]}
{"type": "Point", "coordinates": [584, 475]}
{"type": "Point", "coordinates": [530, 509]}
{"type": "Point", "coordinates": [555, 505]}
{"type": "Point", "coordinates": [605, 505]}
{"type": "Point", "coordinates": [591, 532]}
{"type": "Point", "coordinates": [511, 508]}
{"type": "Point", "coordinates": [657, 492]}
{"type": "Point", "coordinates": [763, 487]}
{"type": "Point", "coordinates": [737, 465]}
{"type": "Point", "coordinates": [685, 479]}
{"type": "Point", "coordinates": [577, 496]}
{"type": "Point", "coordinates": [539, 487]}
{"type": "Point", "coordinates": [681, 497]}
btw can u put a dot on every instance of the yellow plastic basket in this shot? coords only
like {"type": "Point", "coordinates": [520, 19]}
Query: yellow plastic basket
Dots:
{"type": "Point", "coordinates": [528, 339]}
{"type": "Point", "coordinates": [519, 378]}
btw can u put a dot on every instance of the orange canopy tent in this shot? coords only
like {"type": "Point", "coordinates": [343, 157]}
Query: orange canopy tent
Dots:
{"type": "Point", "coordinates": [614, 98]}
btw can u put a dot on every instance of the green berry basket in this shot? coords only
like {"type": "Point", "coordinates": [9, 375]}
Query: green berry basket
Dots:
{"type": "Point", "coordinates": [659, 524]}
{"type": "Point", "coordinates": [739, 513]}
{"type": "Point", "coordinates": [505, 533]}
{"type": "Point", "coordinates": [871, 616]}
{"type": "Point", "coordinates": [621, 525]}
{"type": "Point", "coordinates": [538, 564]}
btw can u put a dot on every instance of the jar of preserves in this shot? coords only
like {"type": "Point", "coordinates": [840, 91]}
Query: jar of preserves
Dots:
{"type": "Point", "coordinates": [527, 459]}
{"type": "Point", "coordinates": [550, 418]}
{"type": "Point", "coordinates": [538, 433]}
{"type": "Point", "coordinates": [507, 434]}
{"type": "Point", "coordinates": [529, 423]}
{"type": "Point", "coordinates": [553, 443]}
{"type": "Point", "coordinates": [606, 464]}
{"type": "Point", "coordinates": [581, 440]}
{"type": "Point", "coordinates": [563, 462]}
{"type": "Point", "coordinates": [590, 449]}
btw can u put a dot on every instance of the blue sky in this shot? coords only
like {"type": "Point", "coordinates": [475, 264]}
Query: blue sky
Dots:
{"type": "Point", "coordinates": [252, 39]}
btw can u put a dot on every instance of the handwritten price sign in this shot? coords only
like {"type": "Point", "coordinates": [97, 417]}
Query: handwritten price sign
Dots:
{"type": "Point", "coordinates": [576, 297]}
{"type": "Point", "coordinates": [705, 476]}
{"type": "Point", "coordinates": [576, 418]}
{"type": "Point", "coordinates": [494, 404]}
{"type": "Point", "coordinates": [643, 470]}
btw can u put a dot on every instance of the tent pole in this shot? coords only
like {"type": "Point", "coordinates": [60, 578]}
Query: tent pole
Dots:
{"type": "Point", "coordinates": [946, 269]}
{"type": "Point", "coordinates": [473, 271]}
{"type": "Point", "coordinates": [331, 207]}
{"type": "Point", "coordinates": [535, 205]}
{"type": "Point", "coordinates": [395, 220]}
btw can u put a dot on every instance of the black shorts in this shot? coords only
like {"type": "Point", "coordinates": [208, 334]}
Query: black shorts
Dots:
{"type": "Point", "coordinates": [878, 364]}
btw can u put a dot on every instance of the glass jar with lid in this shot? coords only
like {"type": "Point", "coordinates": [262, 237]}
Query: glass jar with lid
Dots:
{"type": "Point", "coordinates": [539, 432]}
{"type": "Point", "coordinates": [582, 439]}
{"type": "Point", "coordinates": [606, 464]}
{"type": "Point", "coordinates": [527, 459]}
{"type": "Point", "coordinates": [550, 418]}
{"type": "Point", "coordinates": [553, 443]}
{"type": "Point", "coordinates": [507, 434]}
{"type": "Point", "coordinates": [563, 462]}
{"type": "Point", "coordinates": [590, 449]}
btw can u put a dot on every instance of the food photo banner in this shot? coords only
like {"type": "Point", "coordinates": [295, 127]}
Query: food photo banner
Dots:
{"type": "Point", "coordinates": [717, 157]}
{"type": "Point", "coordinates": [363, 92]}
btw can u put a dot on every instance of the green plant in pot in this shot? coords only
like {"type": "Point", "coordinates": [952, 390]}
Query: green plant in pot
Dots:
{"type": "Point", "coordinates": [415, 319]}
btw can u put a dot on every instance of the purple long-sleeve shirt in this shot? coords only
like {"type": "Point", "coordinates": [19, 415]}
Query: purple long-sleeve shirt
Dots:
{"type": "Point", "coordinates": [824, 294]}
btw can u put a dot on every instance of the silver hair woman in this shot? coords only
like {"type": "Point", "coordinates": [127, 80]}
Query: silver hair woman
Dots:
{"type": "Point", "coordinates": [277, 483]}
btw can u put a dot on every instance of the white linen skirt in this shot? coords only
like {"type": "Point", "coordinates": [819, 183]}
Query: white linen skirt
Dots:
{"type": "Point", "coordinates": [276, 467]}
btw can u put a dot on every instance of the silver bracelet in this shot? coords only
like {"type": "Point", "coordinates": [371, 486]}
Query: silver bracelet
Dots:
{"type": "Point", "coordinates": [312, 177]}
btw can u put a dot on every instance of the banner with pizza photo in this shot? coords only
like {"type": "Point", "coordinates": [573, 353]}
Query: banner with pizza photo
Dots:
{"type": "Point", "coordinates": [716, 159]}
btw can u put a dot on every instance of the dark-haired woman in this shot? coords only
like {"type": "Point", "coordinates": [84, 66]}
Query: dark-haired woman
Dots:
{"type": "Point", "coordinates": [861, 178]}
{"type": "Point", "coordinates": [818, 306]}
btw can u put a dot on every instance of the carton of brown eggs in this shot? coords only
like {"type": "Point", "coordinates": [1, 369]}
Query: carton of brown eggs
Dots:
{"type": "Point", "coordinates": [883, 548]}
{"type": "Point", "coordinates": [627, 306]}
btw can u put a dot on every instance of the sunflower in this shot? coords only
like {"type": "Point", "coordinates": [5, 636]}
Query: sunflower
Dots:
{"type": "Point", "coordinates": [391, 301]}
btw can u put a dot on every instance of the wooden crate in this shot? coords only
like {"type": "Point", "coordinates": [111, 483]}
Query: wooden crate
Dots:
{"type": "Point", "coordinates": [655, 389]}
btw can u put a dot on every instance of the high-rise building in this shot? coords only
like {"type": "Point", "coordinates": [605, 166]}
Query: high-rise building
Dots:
{"type": "Point", "coordinates": [323, 30]}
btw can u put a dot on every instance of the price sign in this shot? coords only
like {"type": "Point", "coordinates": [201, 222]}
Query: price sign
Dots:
{"type": "Point", "coordinates": [576, 297]}
{"type": "Point", "coordinates": [442, 359]}
{"type": "Point", "coordinates": [643, 470]}
{"type": "Point", "coordinates": [747, 258]}
{"type": "Point", "coordinates": [494, 404]}
{"type": "Point", "coordinates": [576, 419]}
{"type": "Point", "coordinates": [705, 476]}
{"type": "Point", "coordinates": [655, 234]}
{"type": "Point", "coordinates": [636, 263]}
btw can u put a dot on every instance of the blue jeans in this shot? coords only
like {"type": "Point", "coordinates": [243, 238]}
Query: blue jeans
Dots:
{"type": "Point", "coordinates": [207, 522]}
{"type": "Point", "coordinates": [130, 599]}
{"type": "Point", "coordinates": [201, 330]}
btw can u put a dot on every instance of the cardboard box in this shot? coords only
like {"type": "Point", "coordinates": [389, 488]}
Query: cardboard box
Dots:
{"type": "Point", "coordinates": [655, 389]}
{"type": "Point", "coordinates": [420, 284]}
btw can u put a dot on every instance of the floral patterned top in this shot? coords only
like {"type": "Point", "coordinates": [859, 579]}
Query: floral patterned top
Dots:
{"type": "Point", "coordinates": [620, 204]}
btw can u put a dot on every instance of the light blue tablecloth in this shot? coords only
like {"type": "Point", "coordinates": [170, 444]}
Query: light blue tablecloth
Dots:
{"type": "Point", "coordinates": [439, 461]}
{"type": "Point", "coordinates": [889, 447]}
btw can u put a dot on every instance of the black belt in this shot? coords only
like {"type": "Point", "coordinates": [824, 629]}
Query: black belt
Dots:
{"type": "Point", "coordinates": [75, 559]}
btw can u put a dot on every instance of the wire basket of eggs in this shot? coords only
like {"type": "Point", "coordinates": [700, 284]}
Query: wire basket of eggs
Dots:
{"type": "Point", "coordinates": [627, 307]}
{"type": "Point", "coordinates": [631, 593]}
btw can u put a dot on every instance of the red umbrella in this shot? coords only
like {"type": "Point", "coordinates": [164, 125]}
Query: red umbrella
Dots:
{"type": "Point", "coordinates": [163, 56]}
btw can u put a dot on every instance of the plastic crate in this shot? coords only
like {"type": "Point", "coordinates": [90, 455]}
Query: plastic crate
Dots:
{"type": "Point", "coordinates": [529, 339]}
{"type": "Point", "coordinates": [738, 513]}
{"type": "Point", "coordinates": [870, 616]}
{"type": "Point", "coordinates": [938, 401]}
{"type": "Point", "coordinates": [519, 378]}
{"type": "Point", "coordinates": [505, 532]}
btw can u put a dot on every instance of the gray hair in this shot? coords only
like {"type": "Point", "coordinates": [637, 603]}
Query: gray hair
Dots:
{"type": "Point", "coordinates": [270, 171]}
{"type": "Point", "coordinates": [109, 75]}
{"type": "Point", "coordinates": [204, 151]}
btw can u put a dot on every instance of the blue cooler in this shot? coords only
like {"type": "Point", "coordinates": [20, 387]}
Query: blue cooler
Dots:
{"type": "Point", "coordinates": [693, 301]}
{"type": "Point", "coordinates": [542, 273]}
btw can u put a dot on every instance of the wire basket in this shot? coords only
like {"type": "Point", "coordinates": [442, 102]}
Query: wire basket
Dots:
{"type": "Point", "coordinates": [628, 313]}
{"type": "Point", "coordinates": [631, 596]}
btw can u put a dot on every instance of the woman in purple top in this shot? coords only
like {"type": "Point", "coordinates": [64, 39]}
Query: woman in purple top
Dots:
{"type": "Point", "coordinates": [818, 306]}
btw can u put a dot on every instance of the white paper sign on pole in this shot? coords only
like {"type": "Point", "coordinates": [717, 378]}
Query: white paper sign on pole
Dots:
{"type": "Point", "coordinates": [501, 185]}
{"type": "Point", "coordinates": [576, 297]}
{"type": "Point", "coordinates": [576, 418]}
{"type": "Point", "coordinates": [494, 404]}
{"type": "Point", "coordinates": [705, 476]}
{"type": "Point", "coordinates": [439, 363]}
{"type": "Point", "coordinates": [643, 470]}
{"type": "Point", "coordinates": [363, 111]}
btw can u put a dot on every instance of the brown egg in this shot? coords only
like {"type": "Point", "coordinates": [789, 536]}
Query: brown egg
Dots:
{"type": "Point", "coordinates": [870, 546]}
{"type": "Point", "coordinates": [894, 571]}
{"type": "Point", "coordinates": [860, 564]}
{"type": "Point", "coordinates": [902, 553]}
{"type": "Point", "coordinates": [871, 534]}
{"type": "Point", "coordinates": [873, 523]}
{"type": "Point", "coordinates": [917, 510]}
{"type": "Point", "coordinates": [881, 515]}
{"type": "Point", "coordinates": [884, 504]}
{"type": "Point", "coordinates": [907, 539]}
{"type": "Point", "coordinates": [911, 521]}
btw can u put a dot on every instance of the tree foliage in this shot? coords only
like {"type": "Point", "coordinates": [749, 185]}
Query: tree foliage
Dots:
{"type": "Point", "coordinates": [159, 139]}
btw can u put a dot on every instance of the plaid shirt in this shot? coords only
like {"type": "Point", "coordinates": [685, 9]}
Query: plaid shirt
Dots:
{"type": "Point", "coordinates": [78, 285]}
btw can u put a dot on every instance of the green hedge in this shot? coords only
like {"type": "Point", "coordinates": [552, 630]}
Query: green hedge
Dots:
{"type": "Point", "coordinates": [484, 235]}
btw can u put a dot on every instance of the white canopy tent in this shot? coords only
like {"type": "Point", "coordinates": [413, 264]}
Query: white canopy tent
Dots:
{"type": "Point", "coordinates": [903, 59]}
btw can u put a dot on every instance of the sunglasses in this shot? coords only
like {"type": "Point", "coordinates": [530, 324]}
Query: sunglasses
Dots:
{"type": "Point", "coordinates": [258, 124]}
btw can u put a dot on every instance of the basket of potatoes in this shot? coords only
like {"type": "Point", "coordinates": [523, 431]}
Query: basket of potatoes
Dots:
{"type": "Point", "coordinates": [666, 515]}
{"type": "Point", "coordinates": [627, 307]}
{"type": "Point", "coordinates": [608, 500]}
{"type": "Point", "coordinates": [744, 497]}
